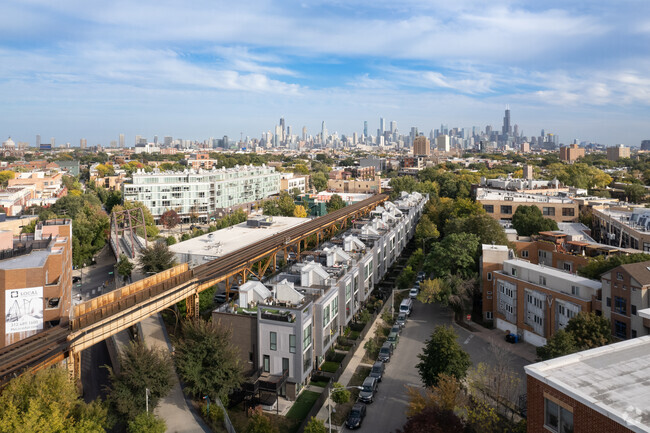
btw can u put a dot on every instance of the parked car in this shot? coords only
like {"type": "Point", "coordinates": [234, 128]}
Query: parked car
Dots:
{"type": "Point", "coordinates": [396, 328]}
{"type": "Point", "coordinates": [413, 293]}
{"type": "Point", "coordinates": [401, 320]}
{"type": "Point", "coordinates": [406, 306]}
{"type": "Point", "coordinates": [377, 370]}
{"type": "Point", "coordinates": [393, 338]}
{"type": "Point", "coordinates": [369, 388]}
{"type": "Point", "coordinates": [385, 352]}
{"type": "Point", "coordinates": [76, 279]}
{"type": "Point", "coordinates": [421, 276]}
{"type": "Point", "coordinates": [356, 415]}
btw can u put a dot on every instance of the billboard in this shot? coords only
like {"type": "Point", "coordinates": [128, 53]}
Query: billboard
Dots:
{"type": "Point", "coordinates": [23, 310]}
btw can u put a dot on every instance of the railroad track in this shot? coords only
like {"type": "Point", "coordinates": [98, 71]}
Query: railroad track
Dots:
{"type": "Point", "coordinates": [39, 348]}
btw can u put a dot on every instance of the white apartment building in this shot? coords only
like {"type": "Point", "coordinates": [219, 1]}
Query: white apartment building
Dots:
{"type": "Point", "coordinates": [289, 182]}
{"type": "Point", "coordinates": [204, 192]}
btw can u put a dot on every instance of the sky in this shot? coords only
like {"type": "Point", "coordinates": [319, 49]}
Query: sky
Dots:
{"type": "Point", "coordinates": [198, 69]}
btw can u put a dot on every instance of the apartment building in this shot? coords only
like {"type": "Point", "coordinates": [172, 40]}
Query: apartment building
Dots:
{"type": "Point", "coordinates": [204, 192]}
{"type": "Point", "coordinates": [36, 279]}
{"type": "Point", "coordinates": [624, 294]}
{"type": "Point", "coordinates": [286, 324]}
{"type": "Point", "coordinates": [571, 153]}
{"type": "Point", "coordinates": [598, 390]}
{"type": "Point", "coordinates": [535, 301]}
{"type": "Point", "coordinates": [622, 226]}
{"type": "Point", "coordinates": [354, 186]}
{"type": "Point", "coordinates": [501, 205]}
{"type": "Point", "coordinates": [46, 187]}
{"type": "Point", "coordinates": [614, 153]}
{"type": "Point", "coordinates": [290, 182]}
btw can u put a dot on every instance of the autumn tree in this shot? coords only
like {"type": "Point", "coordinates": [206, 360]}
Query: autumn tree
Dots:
{"type": "Point", "coordinates": [433, 420]}
{"type": "Point", "coordinates": [146, 422]}
{"type": "Point", "coordinates": [300, 212]}
{"type": "Point", "coordinates": [170, 219]}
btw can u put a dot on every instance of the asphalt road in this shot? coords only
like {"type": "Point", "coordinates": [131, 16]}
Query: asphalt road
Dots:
{"type": "Point", "coordinates": [388, 412]}
{"type": "Point", "coordinates": [92, 277]}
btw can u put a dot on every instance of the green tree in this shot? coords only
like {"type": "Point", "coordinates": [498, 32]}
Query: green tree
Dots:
{"type": "Point", "coordinates": [170, 240]}
{"type": "Point", "coordinates": [451, 290]}
{"type": "Point", "coordinates": [113, 199]}
{"type": "Point", "coordinates": [286, 205]}
{"type": "Point", "coordinates": [315, 426]}
{"type": "Point", "coordinates": [406, 278]}
{"type": "Point", "coordinates": [170, 219]}
{"type": "Point", "coordinates": [319, 180]}
{"type": "Point", "coordinates": [335, 203]}
{"type": "Point", "coordinates": [146, 422]}
{"type": "Point", "coordinates": [442, 354]}
{"type": "Point", "coordinates": [456, 255]}
{"type": "Point", "coordinates": [599, 265]}
{"type": "Point", "coordinates": [340, 395]}
{"type": "Point", "coordinates": [124, 267]}
{"type": "Point", "coordinates": [140, 368]}
{"type": "Point", "coordinates": [156, 258]}
{"type": "Point", "coordinates": [206, 359]}
{"type": "Point", "coordinates": [528, 220]}
{"type": "Point", "coordinates": [47, 402]}
{"type": "Point", "coordinates": [426, 230]}
{"type": "Point", "coordinates": [559, 344]}
{"type": "Point", "coordinates": [589, 330]}
{"type": "Point", "coordinates": [487, 229]}
{"type": "Point", "coordinates": [579, 175]}
{"type": "Point", "coordinates": [635, 193]}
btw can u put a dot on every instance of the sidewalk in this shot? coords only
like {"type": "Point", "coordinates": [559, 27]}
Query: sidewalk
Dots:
{"type": "Point", "coordinates": [497, 337]}
{"type": "Point", "coordinates": [174, 408]}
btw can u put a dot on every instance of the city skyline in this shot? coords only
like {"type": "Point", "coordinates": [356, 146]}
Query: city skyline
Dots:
{"type": "Point", "coordinates": [77, 70]}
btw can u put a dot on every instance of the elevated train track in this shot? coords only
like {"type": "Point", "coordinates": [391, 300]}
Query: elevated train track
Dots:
{"type": "Point", "coordinates": [114, 312]}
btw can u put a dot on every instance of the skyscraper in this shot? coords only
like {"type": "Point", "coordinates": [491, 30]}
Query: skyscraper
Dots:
{"type": "Point", "coordinates": [323, 132]}
{"type": "Point", "coordinates": [304, 133]}
{"type": "Point", "coordinates": [506, 129]}
{"type": "Point", "coordinates": [365, 128]}
{"type": "Point", "coordinates": [38, 141]}
{"type": "Point", "coordinates": [82, 143]}
{"type": "Point", "coordinates": [393, 126]}
{"type": "Point", "coordinates": [52, 142]}
{"type": "Point", "coordinates": [283, 129]}
{"type": "Point", "coordinates": [121, 140]}
{"type": "Point", "coordinates": [382, 124]}
{"type": "Point", "coordinates": [421, 146]}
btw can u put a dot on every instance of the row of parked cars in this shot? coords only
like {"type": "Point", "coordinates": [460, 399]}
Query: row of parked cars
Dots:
{"type": "Point", "coordinates": [371, 383]}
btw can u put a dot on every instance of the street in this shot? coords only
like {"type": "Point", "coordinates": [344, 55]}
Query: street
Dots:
{"type": "Point", "coordinates": [388, 412]}
{"type": "Point", "coordinates": [94, 276]}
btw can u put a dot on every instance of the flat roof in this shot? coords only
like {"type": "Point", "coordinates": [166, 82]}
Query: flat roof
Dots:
{"type": "Point", "coordinates": [225, 241]}
{"type": "Point", "coordinates": [613, 380]}
{"type": "Point", "coordinates": [555, 273]}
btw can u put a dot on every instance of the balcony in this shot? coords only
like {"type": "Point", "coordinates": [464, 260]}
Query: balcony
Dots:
{"type": "Point", "coordinates": [278, 315]}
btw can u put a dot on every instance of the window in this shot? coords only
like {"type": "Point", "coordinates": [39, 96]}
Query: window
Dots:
{"type": "Point", "coordinates": [620, 329]}
{"type": "Point", "coordinates": [326, 316]}
{"type": "Point", "coordinates": [575, 290]}
{"type": "Point", "coordinates": [489, 276]}
{"type": "Point", "coordinates": [542, 280]}
{"type": "Point", "coordinates": [267, 364]}
{"type": "Point", "coordinates": [634, 310]}
{"type": "Point", "coordinates": [609, 302]}
{"type": "Point", "coordinates": [274, 340]}
{"type": "Point", "coordinates": [557, 418]}
{"type": "Point", "coordinates": [568, 211]}
{"type": "Point", "coordinates": [306, 337]}
{"type": "Point", "coordinates": [524, 254]}
{"type": "Point", "coordinates": [548, 211]}
{"type": "Point", "coordinates": [567, 266]}
{"type": "Point", "coordinates": [514, 272]}
{"type": "Point", "coordinates": [292, 343]}
{"type": "Point", "coordinates": [488, 315]}
{"type": "Point", "coordinates": [620, 305]}
{"type": "Point", "coordinates": [619, 276]}
{"type": "Point", "coordinates": [335, 306]}
{"type": "Point", "coordinates": [285, 364]}
{"type": "Point", "coordinates": [488, 208]}
{"type": "Point", "coordinates": [506, 210]}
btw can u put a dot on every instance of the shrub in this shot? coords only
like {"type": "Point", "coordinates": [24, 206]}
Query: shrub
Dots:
{"type": "Point", "coordinates": [171, 240]}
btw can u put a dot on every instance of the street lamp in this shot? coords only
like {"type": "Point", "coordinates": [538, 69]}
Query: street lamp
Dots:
{"type": "Point", "coordinates": [329, 401]}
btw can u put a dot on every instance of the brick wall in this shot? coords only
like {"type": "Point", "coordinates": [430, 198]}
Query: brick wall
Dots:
{"type": "Point", "coordinates": [585, 419]}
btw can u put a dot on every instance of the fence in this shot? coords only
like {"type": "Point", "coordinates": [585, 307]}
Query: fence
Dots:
{"type": "Point", "coordinates": [226, 419]}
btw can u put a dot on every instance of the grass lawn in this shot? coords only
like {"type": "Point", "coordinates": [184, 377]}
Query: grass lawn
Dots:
{"type": "Point", "coordinates": [330, 366]}
{"type": "Point", "coordinates": [302, 405]}
{"type": "Point", "coordinates": [320, 383]}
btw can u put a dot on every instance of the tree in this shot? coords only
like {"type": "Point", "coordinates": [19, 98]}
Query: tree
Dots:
{"type": "Point", "coordinates": [579, 175]}
{"type": "Point", "coordinates": [488, 230]}
{"type": "Point", "coordinates": [113, 199]}
{"type": "Point", "coordinates": [141, 368]}
{"type": "Point", "coordinates": [406, 278]}
{"type": "Point", "coordinates": [170, 219]}
{"type": "Point", "coordinates": [589, 330]}
{"type": "Point", "coordinates": [156, 258]}
{"type": "Point", "coordinates": [170, 240]}
{"type": "Point", "coordinates": [433, 419]}
{"type": "Point", "coordinates": [559, 344]}
{"type": "Point", "coordinates": [47, 402]}
{"type": "Point", "coordinates": [426, 230]}
{"type": "Point", "coordinates": [260, 423]}
{"type": "Point", "coordinates": [124, 267]}
{"type": "Point", "coordinates": [319, 180]}
{"type": "Point", "coordinates": [206, 359]}
{"type": "Point", "coordinates": [340, 395]}
{"type": "Point", "coordinates": [528, 220]}
{"type": "Point", "coordinates": [5, 175]}
{"type": "Point", "coordinates": [300, 212]}
{"type": "Point", "coordinates": [451, 290]}
{"type": "Point", "coordinates": [315, 426]}
{"type": "Point", "coordinates": [457, 254]}
{"type": "Point", "coordinates": [335, 203]}
{"type": "Point", "coordinates": [635, 193]}
{"type": "Point", "coordinates": [285, 204]}
{"type": "Point", "coordinates": [442, 354]}
{"type": "Point", "coordinates": [599, 265]}
{"type": "Point", "coordinates": [447, 395]}
{"type": "Point", "coordinates": [146, 422]}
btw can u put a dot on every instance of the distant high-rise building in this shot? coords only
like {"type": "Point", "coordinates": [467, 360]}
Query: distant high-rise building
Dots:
{"type": "Point", "coordinates": [287, 136]}
{"type": "Point", "coordinates": [121, 140]}
{"type": "Point", "coordinates": [393, 127]}
{"type": "Point", "coordinates": [168, 140]}
{"type": "Point", "coordinates": [323, 132]}
{"type": "Point", "coordinates": [506, 129]}
{"type": "Point", "coordinates": [528, 172]}
{"type": "Point", "coordinates": [225, 142]}
{"type": "Point", "coordinates": [155, 139]}
{"type": "Point", "coordinates": [53, 142]}
{"type": "Point", "coordinates": [82, 143]}
{"type": "Point", "coordinates": [571, 153]}
{"type": "Point", "coordinates": [38, 141]}
{"type": "Point", "coordinates": [282, 130]}
{"type": "Point", "coordinates": [443, 143]}
{"type": "Point", "coordinates": [645, 145]}
{"type": "Point", "coordinates": [421, 146]}
{"type": "Point", "coordinates": [137, 139]}
{"type": "Point", "coordinates": [304, 133]}
{"type": "Point", "coordinates": [614, 153]}
{"type": "Point", "coordinates": [382, 124]}
{"type": "Point", "coordinates": [365, 128]}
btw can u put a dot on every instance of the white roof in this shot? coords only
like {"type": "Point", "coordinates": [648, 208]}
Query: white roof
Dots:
{"type": "Point", "coordinates": [613, 380]}
{"type": "Point", "coordinates": [549, 271]}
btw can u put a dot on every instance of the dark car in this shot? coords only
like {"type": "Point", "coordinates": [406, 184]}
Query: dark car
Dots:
{"type": "Point", "coordinates": [401, 320]}
{"type": "Point", "coordinates": [76, 279]}
{"type": "Point", "coordinates": [396, 329]}
{"type": "Point", "coordinates": [385, 352]}
{"type": "Point", "coordinates": [356, 415]}
{"type": "Point", "coordinates": [369, 388]}
{"type": "Point", "coordinates": [377, 370]}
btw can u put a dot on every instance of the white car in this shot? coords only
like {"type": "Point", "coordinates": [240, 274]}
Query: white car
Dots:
{"type": "Point", "coordinates": [413, 293]}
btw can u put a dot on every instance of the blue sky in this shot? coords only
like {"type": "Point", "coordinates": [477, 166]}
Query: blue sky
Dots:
{"type": "Point", "coordinates": [197, 69]}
